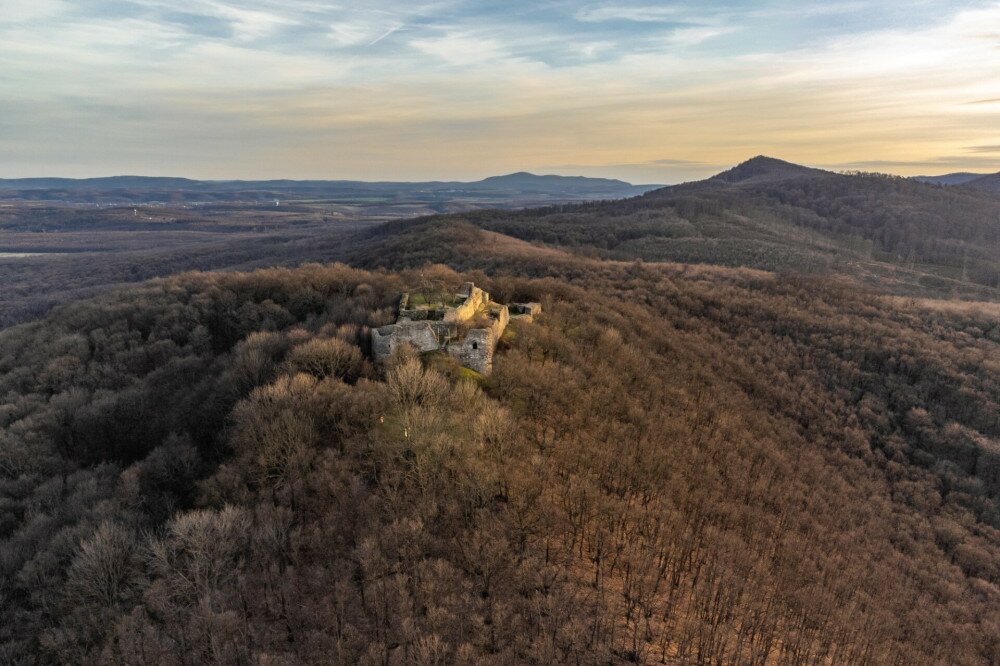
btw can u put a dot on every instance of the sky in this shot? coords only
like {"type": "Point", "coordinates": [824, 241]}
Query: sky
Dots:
{"type": "Point", "coordinates": [649, 92]}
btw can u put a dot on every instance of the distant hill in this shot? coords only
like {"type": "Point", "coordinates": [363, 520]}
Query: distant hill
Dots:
{"type": "Point", "coordinates": [107, 183]}
{"type": "Point", "coordinates": [989, 183]}
{"type": "Point", "coordinates": [949, 178]}
{"type": "Point", "coordinates": [529, 182]}
{"type": "Point", "coordinates": [142, 189]}
{"type": "Point", "coordinates": [762, 169]}
{"type": "Point", "coordinates": [891, 233]}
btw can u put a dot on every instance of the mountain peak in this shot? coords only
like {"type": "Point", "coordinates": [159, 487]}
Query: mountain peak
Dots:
{"type": "Point", "coordinates": [763, 168]}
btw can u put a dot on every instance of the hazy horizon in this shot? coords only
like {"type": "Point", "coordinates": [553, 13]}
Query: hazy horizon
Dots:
{"type": "Point", "coordinates": [717, 169]}
{"type": "Point", "coordinates": [644, 92]}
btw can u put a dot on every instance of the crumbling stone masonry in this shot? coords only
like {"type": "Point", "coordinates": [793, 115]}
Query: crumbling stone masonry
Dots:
{"type": "Point", "coordinates": [468, 328]}
{"type": "Point", "coordinates": [525, 311]}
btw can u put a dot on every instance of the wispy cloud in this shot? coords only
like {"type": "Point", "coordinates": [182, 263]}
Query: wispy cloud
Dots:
{"type": "Point", "coordinates": [696, 35]}
{"type": "Point", "coordinates": [636, 13]}
{"type": "Point", "coordinates": [461, 48]}
{"type": "Point", "coordinates": [22, 11]}
{"type": "Point", "coordinates": [936, 163]}
{"type": "Point", "coordinates": [385, 35]}
{"type": "Point", "coordinates": [681, 163]}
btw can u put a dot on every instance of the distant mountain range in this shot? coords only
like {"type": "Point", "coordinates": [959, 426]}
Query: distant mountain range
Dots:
{"type": "Point", "coordinates": [521, 185]}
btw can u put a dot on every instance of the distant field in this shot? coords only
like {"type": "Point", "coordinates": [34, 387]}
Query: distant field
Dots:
{"type": "Point", "coordinates": [56, 253]}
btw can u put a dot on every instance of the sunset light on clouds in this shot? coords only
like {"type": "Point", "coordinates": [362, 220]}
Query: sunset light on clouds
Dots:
{"type": "Point", "coordinates": [647, 92]}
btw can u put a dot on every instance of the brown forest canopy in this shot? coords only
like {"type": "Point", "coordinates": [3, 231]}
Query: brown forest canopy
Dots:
{"type": "Point", "coordinates": [673, 464]}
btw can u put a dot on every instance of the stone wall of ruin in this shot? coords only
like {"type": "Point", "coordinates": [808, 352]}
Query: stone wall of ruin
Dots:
{"type": "Point", "coordinates": [426, 330]}
{"type": "Point", "coordinates": [476, 350]}
{"type": "Point", "coordinates": [477, 300]}
{"type": "Point", "coordinates": [420, 335]}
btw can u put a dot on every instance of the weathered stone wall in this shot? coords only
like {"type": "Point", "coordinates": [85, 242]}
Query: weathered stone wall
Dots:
{"type": "Point", "coordinates": [420, 335]}
{"type": "Point", "coordinates": [503, 318]}
{"type": "Point", "coordinates": [526, 309]}
{"type": "Point", "coordinates": [476, 300]}
{"type": "Point", "coordinates": [476, 350]}
{"type": "Point", "coordinates": [422, 314]}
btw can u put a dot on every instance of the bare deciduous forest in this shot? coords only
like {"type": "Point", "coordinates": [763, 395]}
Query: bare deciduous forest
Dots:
{"type": "Point", "coordinates": [444, 334]}
{"type": "Point", "coordinates": [674, 464]}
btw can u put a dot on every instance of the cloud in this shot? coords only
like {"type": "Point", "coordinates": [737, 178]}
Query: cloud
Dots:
{"type": "Point", "coordinates": [941, 162]}
{"type": "Point", "coordinates": [594, 49]}
{"type": "Point", "coordinates": [635, 13]}
{"type": "Point", "coordinates": [675, 162]}
{"type": "Point", "coordinates": [461, 48]}
{"type": "Point", "coordinates": [699, 34]}
{"type": "Point", "coordinates": [385, 35]}
{"type": "Point", "coordinates": [353, 33]}
{"type": "Point", "coordinates": [21, 11]}
{"type": "Point", "coordinates": [451, 88]}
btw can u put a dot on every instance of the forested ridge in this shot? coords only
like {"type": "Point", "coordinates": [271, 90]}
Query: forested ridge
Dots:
{"type": "Point", "coordinates": [890, 233]}
{"type": "Point", "coordinates": [674, 464]}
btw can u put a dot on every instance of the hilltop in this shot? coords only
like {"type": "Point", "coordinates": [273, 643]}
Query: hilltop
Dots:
{"type": "Point", "coordinates": [763, 169]}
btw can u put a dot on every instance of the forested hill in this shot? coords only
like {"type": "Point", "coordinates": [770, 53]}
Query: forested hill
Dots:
{"type": "Point", "coordinates": [763, 169]}
{"type": "Point", "coordinates": [949, 178]}
{"type": "Point", "coordinates": [890, 233]}
{"type": "Point", "coordinates": [977, 181]}
{"type": "Point", "coordinates": [989, 183]}
{"type": "Point", "coordinates": [680, 464]}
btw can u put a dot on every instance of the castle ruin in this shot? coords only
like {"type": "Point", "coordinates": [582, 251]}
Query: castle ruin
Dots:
{"type": "Point", "coordinates": [467, 325]}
